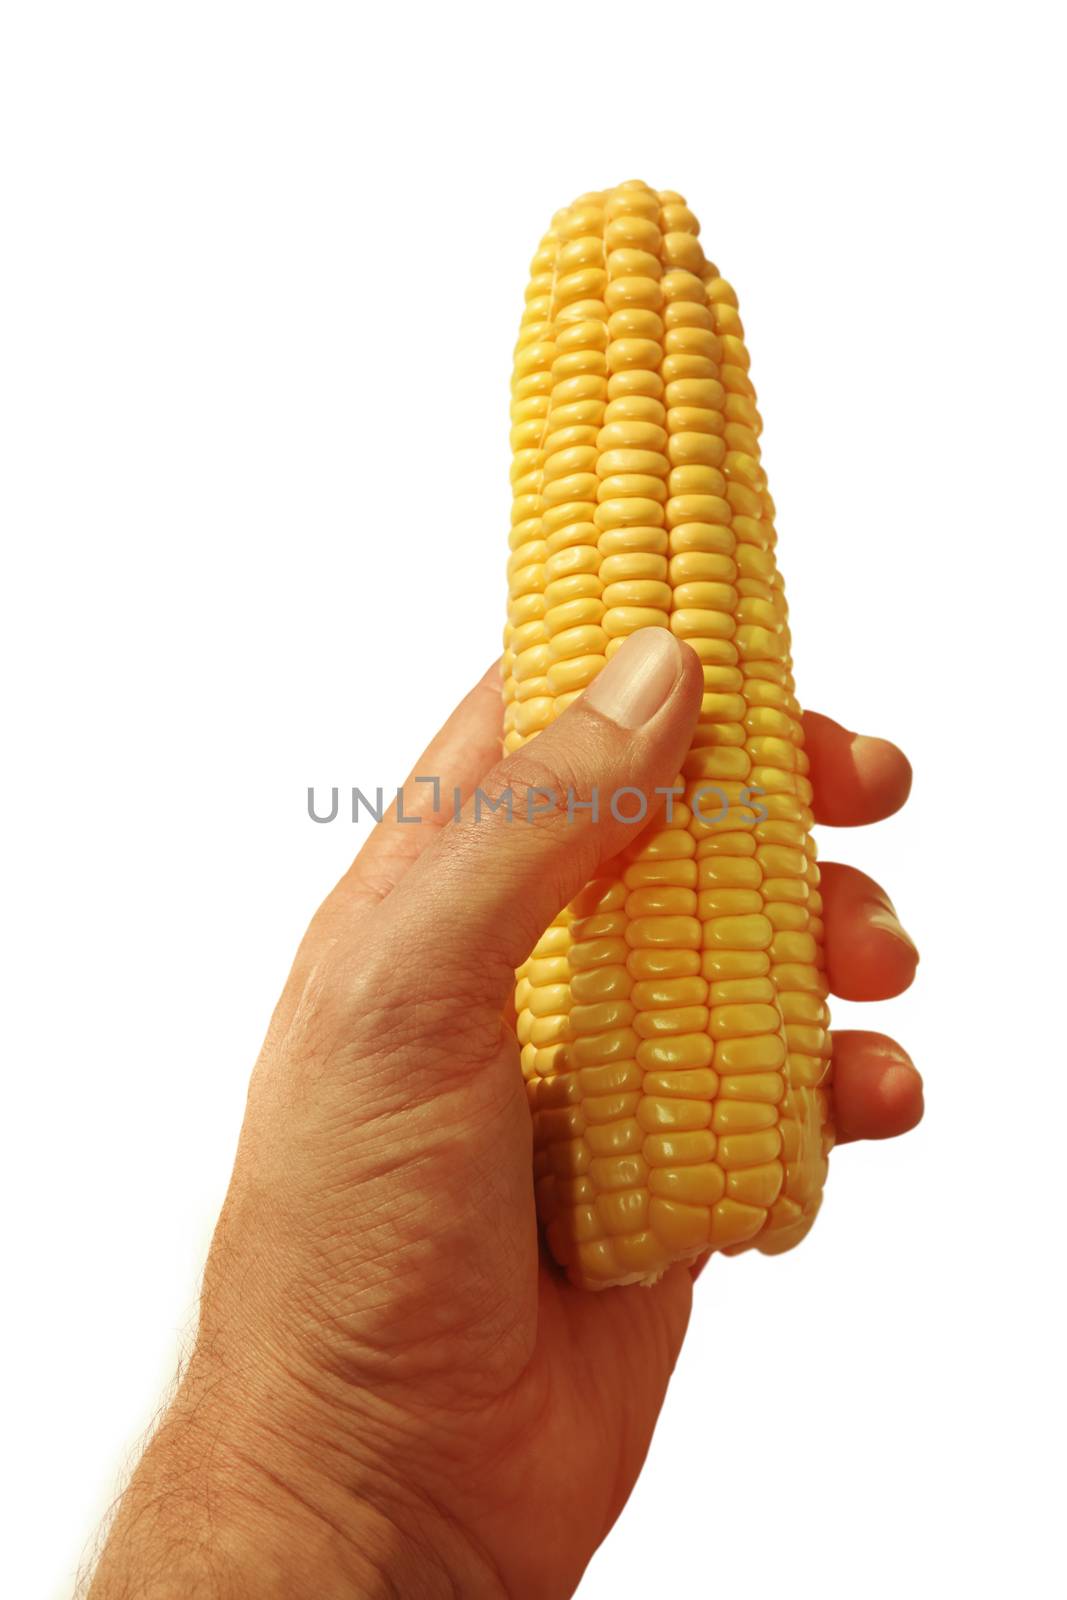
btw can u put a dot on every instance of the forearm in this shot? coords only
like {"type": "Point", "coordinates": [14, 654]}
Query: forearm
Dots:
{"type": "Point", "coordinates": [223, 1510]}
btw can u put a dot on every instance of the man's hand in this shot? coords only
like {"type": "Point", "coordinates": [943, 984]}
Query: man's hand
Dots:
{"type": "Point", "coordinates": [390, 1392]}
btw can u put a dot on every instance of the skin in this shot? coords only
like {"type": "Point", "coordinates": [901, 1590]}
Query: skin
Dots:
{"type": "Point", "coordinates": [392, 1392]}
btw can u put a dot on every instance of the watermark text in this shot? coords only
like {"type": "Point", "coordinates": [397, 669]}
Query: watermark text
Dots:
{"type": "Point", "coordinates": [710, 804]}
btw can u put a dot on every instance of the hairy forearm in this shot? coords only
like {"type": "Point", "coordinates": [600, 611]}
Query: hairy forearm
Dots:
{"type": "Point", "coordinates": [222, 1510]}
{"type": "Point", "coordinates": [200, 1518]}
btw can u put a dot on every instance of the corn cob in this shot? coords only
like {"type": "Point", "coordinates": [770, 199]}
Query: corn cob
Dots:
{"type": "Point", "coordinates": [672, 1021]}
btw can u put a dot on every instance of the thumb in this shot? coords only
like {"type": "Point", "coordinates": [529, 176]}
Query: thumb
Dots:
{"type": "Point", "coordinates": [548, 816]}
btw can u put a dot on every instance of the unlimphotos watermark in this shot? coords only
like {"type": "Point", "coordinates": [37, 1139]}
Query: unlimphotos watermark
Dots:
{"type": "Point", "coordinates": [709, 803]}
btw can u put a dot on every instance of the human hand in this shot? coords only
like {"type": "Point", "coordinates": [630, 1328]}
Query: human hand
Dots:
{"type": "Point", "coordinates": [387, 1377]}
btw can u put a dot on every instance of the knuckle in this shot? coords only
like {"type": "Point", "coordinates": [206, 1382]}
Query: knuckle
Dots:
{"type": "Point", "coordinates": [546, 786]}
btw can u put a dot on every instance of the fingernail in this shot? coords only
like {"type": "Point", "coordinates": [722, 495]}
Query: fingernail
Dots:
{"type": "Point", "coordinates": [871, 757]}
{"type": "Point", "coordinates": [890, 1054]}
{"type": "Point", "coordinates": [886, 922]}
{"type": "Point", "coordinates": [900, 1083]}
{"type": "Point", "coordinates": [637, 679]}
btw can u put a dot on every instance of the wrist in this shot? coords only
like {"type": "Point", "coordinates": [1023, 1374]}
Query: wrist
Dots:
{"type": "Point", "coordinates": [233, 1503]}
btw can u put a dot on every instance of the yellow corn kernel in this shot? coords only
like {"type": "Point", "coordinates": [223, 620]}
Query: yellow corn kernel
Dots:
{"type": "Point", "coordinates": [678, 1149]}
{"type": "Point", "coordinates": [757, 1186]}
{"type": "Point", "coordinates": [682, 1229]}
{"type": "Point", "coordinates": [615, 1138]}
{"type": "Point", "coordinates": [660, 1115]}
{"type": "Point", "coordinates": [703, 1185]}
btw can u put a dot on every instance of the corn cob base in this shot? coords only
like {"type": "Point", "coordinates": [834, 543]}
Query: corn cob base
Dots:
{"type": "Point", "coordinates": [672, 1021]}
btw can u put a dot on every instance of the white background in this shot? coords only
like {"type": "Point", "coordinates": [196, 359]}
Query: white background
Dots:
{"type": "Point", "coordinates": [262, 274]}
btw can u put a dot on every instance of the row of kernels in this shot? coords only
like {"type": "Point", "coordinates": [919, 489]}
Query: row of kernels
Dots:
{"type": "Point", "coordinates": [632, 467]}
{"type": "Point", "coordinates": [702, 548]}
{"type": "Point", "coordinates": [579, 648]}
{"type": "Point", "coordinates": [526, 707]}
{"type": "Point", "coordinates": [675, 1206]}
{"type": "Point", "coordinates": [572, 583]}
{"type": "Point", "coordinates": [788, 851]}
{"type": "Point", "coordinates": [678, 1228]}
{"type": "Point", "coordinates": [543, 1003]}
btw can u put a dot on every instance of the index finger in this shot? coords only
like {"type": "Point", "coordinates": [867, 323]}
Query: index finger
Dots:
{"type": "Point", "coordinates": [856, 778]}
{"type": "Point", "coordinates": [456, 758]}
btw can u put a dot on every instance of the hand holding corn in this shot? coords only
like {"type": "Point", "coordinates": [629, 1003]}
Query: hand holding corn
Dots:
{"type": "Point", "coordinates": [392, 1390]}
